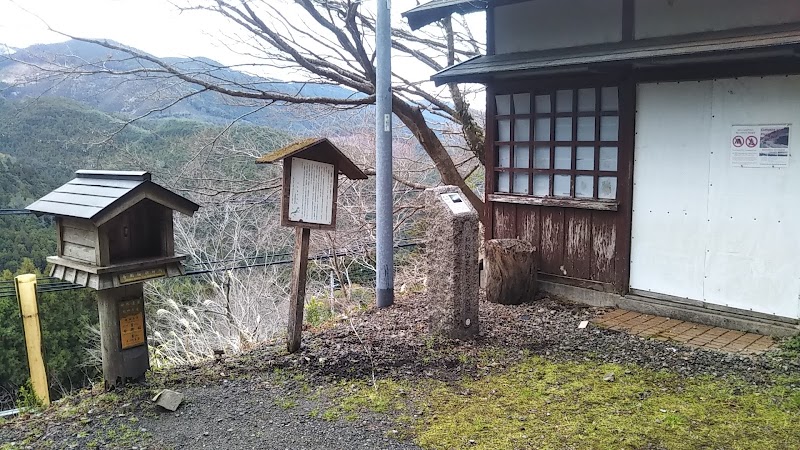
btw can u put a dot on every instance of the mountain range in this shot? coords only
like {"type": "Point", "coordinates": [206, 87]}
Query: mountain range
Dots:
{"type": "Point", "coordinates": [51, 70]}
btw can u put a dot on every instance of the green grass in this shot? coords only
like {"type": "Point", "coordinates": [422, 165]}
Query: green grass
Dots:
{"type": "Point", "coordinates": [791, 347]}
{"type": "Point", "coordinates": [548, 405]}
{"type": "Point", "coordinates": [568, 405]}
{"type": "Point", "coordinates": [386, 396]}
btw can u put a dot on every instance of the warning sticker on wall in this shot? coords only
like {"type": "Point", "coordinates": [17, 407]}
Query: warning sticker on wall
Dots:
{"type": "Point", "coordinates": [760, 145]}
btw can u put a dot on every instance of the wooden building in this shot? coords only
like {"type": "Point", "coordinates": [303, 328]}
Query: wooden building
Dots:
{"type": "Point", "coordinates": [648, 148]}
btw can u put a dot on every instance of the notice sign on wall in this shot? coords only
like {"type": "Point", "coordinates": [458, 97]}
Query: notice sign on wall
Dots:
{"type": "Point", "coordinates": [760, 145]}
{"type": "Point", "coordinates": [311, 192]}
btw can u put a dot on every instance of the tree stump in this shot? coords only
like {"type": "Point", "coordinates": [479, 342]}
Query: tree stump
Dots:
{"type": "Point", "coordinates": [511, 271]}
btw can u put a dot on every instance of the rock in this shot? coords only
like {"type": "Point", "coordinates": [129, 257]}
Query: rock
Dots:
{"type": "Point", "coordinates": [609, 377]}
{"type": "Point", "coordinates": [168, 399]}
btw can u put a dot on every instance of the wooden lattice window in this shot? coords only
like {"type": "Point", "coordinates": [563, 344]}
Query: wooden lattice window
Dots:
{"type": "Point", "coordinates": [561, 143]}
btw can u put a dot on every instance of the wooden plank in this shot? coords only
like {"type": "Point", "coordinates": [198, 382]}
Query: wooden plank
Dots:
{"type": "Point", "coordinates": [81, 224]}
{"type": "Point", "coordinates": [102, 252]}
{"type": "Point", "coordinates": [79, 252]}
{"type": "Point", "coordinates": [58, 271]}
{"type": "Point", "coordinates": [62, 209]}
{"type": "Point", "coordinates": [69, 274]}
{"type": "Point", "coordinates": [298, 296]}
{"type": "Point", "coordinates": [527, 224]}
{"type": "Point", "coordinates": [598, 205]}
{"type": "Point", "coordinates": [122, 267]}
{"type": "Point", "coordinates": [59, 236]}
{"type": "Point", "coordinates": [94, 191]}
{"type": "Point", "coordinates": [82, 278]}
{"type": "Point", "coordinates": [78, 236]}
{"type": "Point", "coordinates": [504, 221]}
{"type": "Point", "coordinates": [604, 247]}
{"type": "Point", "coordinates": [488, 151]}
{"type": "Point", "coordinates": [167, 233]}
{"type": "Point", "coordinates": [577, 282]}
{"type": "Point", "coordinates": [94, 281]}
{"type": "Point", "coordinates": [552, 229]}
{"type": "Point", "coordinates": [528, 228]}
{"type": "Point", "coordinates": [174, 270]}
{"type": "Point", "coordinates": [78, 199]}
{"type": "Point", "coordinates": [577, 244]}
{"type": "Point", "coordinates": [627, 130]}
{"type": "Point", "coordinates": [106, 182]}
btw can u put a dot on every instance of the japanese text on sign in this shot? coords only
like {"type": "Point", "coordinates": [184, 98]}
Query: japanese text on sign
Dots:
{"type": "Point", "coordinates": [760, 145]}
{"type": "Point", "coordinates": [131, 323]}
{"type": "Point", "coordinates": [311, 192]}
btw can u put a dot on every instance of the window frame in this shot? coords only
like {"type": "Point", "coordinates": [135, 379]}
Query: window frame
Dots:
{"type": "Point", "coordinates": [533, 142]}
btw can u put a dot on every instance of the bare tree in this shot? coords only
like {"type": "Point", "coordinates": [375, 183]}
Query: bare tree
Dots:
{"type": "Point", "coordinates": [328, 42]}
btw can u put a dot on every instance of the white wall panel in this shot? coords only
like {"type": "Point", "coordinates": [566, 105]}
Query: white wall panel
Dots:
{"type": "Point", "coordinates": [670, 188]}
{"type": "Point", "coordinates": [669, 17]}
{"type": "Point", "coordinates": [754, 213]}
{"type": "Point", "coordinates": [546, 24]}
{"type": "Point", "coordinates": [737, 243]}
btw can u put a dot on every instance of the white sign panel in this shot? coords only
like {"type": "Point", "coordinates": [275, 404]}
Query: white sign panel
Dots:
{"type": "Point", "coordinates": [311, 192]}
{"type": "Point", "coordinates": [455, 203]}
{"type": "Point", "coordinates": [760, 145]}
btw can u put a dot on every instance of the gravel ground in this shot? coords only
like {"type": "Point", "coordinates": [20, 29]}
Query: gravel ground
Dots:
{"type": "Point", "coordinates": [395, 342]}
{"type": "Point", "coordinates": [243, 414]}
{"type": "Point", "coordinates": [236, 403]}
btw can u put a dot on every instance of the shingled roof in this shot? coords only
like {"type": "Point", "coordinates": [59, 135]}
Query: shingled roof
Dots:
{"type": "Point", "coordinates": [100, 195]}
{"type": "Point", "coordinates": [318, 149]}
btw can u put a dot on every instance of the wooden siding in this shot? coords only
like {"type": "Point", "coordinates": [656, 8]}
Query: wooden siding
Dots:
{"type": "Point", "coordinates": [573, 243]}
{"type": "Point", "coordinates": [578, 243]}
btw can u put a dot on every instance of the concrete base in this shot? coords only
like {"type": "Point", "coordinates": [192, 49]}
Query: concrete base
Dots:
{"type": "Point", "coordinates": [734, 319]}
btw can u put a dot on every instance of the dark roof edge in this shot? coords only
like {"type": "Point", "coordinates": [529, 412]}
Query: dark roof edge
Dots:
{"type": "Point", "coordinates": [159, 194]}
{"type": "Point", "coordinates": [346, 165]}
{"type": "Point", "coordinates": [133, 175]}
{"type": "Point", "coordinates": [666, 48]}
{"type": "Point", "coordinates": [438, 9]}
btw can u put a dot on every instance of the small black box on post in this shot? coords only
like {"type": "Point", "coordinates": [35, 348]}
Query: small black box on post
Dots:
{"type": "Point", "coordinates": [114, 232]}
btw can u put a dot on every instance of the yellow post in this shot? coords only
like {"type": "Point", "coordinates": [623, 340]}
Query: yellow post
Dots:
{"type": "Point", "coordinates": [26, 294]}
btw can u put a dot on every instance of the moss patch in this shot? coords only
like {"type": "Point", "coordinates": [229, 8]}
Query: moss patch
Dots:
{"type": "Point", "coordinates": [569, 405]}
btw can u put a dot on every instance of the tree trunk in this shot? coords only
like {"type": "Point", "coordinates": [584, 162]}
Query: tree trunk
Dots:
{"type": "Point", "coordinates": [510, 266]}
{"type": "Point", "coordinates": [415, 121]}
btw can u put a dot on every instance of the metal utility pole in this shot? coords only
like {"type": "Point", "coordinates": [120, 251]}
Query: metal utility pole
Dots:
{"type": "Point", "coordinates": [383, 156]}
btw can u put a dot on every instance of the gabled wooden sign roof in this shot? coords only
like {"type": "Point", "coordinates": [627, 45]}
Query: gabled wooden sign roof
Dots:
{"type": "Point", "coordinates": [316, 149]}
{"type": "Point", "coordinates": [100, 195]}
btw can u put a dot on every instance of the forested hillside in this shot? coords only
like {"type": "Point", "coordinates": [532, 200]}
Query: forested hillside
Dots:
{"type": "Point", "coordinates": [42, 142]}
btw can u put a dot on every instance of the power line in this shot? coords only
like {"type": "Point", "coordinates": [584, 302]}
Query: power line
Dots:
{"type": "Point", "coordinates": [51, 284]}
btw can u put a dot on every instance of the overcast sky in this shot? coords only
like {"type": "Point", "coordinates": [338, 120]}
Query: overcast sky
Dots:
{"type": "Point", "coordinates": [154, 26]}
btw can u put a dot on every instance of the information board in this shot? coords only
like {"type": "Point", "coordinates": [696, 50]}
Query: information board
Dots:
{"type": "Point", "coordinates": [311, 192]}
{"type": "Point", "coordinates": [131, 323]}
{"type": "Point", "coordinates": [760, 145]}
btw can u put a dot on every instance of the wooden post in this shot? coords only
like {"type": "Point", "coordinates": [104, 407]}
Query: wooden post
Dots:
{"type": "Point", "coordinates": [298, 298]}
{"type": "Point", "coordinates": [26, 295]}
{"type": "Point", "coordinates": [122, 358]}
{"type": "Point", "coordinates": [511, 272]}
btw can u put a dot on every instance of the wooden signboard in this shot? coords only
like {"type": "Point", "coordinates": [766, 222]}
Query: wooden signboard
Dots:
{"type": "Point", "coordinates": [131, 323]}
{"type": "Point", "coordinates": [310, 186]}
{"type": "Point", "coordinates": [309, 194]}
